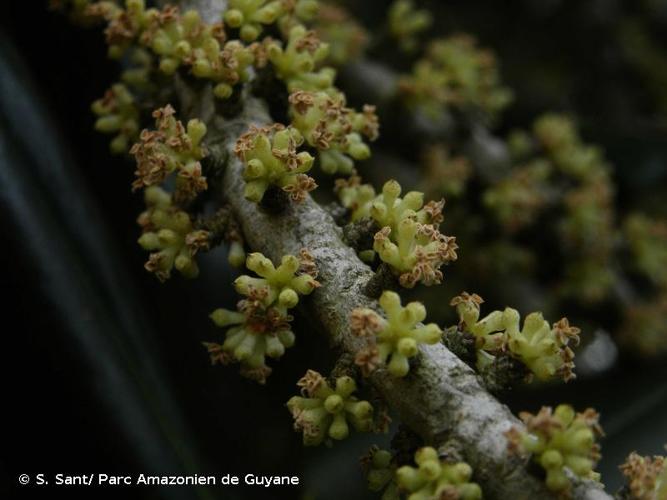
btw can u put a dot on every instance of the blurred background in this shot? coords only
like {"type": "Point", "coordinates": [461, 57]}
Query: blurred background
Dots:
{"type": "Point", "coordinates": [104, 367]}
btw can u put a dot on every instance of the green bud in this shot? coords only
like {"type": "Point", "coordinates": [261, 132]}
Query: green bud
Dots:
{"type": "Point", "coordinates": [234, 18]}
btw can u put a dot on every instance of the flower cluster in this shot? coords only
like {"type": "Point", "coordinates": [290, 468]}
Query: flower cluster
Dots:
{"type": "Point", "coordinates": [647, 477]}
{"type": "Point", "coordinates": [415, 252]}
{"type": "Point", "coordinates": [436, 478]}
{"type": "Point", "coordinates": [455, 73]}
{"type": "Point", "coordinates": [542, 348]}
{"type": "Point", "coordinates": [409, 240]}
{"type": "Point", "coordinates": [271, 159]}
{"type": "Point", "coordinates": [260, 327]}
{"type": "Point", "coordinates": [345, 37]}
{"type": "Point", "coordinates": [394, 340]}
{"type": "Point", "coordinates": [169, 235]}
{"type": "Point", "coordinates": [560, 170]}
{"type": "Point", "coordinates": [323, 412]}
{"type": "Point", "coordinates": [559, 440]}
{"type": "Point", "coordinates": [643, 329]}
{"type": "Point", "coordinates": [333, 129]}
{"type": "Point", "coordinates": [444, 173]}
{"type": "Point", "coordinates": [295, 63]}
{"type": "Point", "coordinates": [406, 23]}
{"type": "Point", "coordinates": [171, 148]}
{"type": "Point", "coordinates": [178, 39]}
{"type": "Point", "coordinates": [284, 283]}
{"type": "Point", "coordinates": [257, 331]}
{"type": "Point", "coordinates": [518, 199]}
{"type": "Point", "coordinates": [250, 16]}
{"type": "Point", "coordinates": [647, 239]}
{"type": "Point", "coordinates": [117, 114]}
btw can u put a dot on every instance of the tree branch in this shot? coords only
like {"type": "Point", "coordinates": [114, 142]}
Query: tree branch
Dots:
{"type": "Point", "coordinates": [442, 398]}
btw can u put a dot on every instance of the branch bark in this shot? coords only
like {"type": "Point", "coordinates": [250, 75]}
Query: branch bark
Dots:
{"type": "Point", "coordinates": [442, 398]}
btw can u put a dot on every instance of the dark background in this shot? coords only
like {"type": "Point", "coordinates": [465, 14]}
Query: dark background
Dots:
{"type": "Point", "coordinates": [103, 368]}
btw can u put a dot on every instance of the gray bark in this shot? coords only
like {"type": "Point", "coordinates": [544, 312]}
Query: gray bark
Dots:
{"type": "Point", "coordinates": [442, 398]}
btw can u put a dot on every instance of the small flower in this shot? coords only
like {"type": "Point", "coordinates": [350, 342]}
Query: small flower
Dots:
{"type": "Point", "coordinates": [543, 349]}
{"type": "Point", "coordinates": [117, 114]}
{"type": "Point", "coordinates": [406, 22]}
{"type": "Point", "coordinates": [324, 413]}
{"type": "Point", "coordinates": [257, 331]}
{"type": "Point", "coordinates": [455, 73]}
{"type": "Point", "coordinates": [647, 477]}
{"type": "Point", "coordinates": [283, 284]}
{"type": "Point", "coordinates": [394, 340]}
{"type": "Point", "coordinates": [249, 16]}
{"type": "Point", "coordinates": [415, 252]}
{"type": "Point", "coordinates": [169, 235]}
{"type": "Point", "coordinates": [520, 197]}
{"type": "Point", "coordinates": [346, 38]}
{"type": "Point", "coordinates": [559, 440]}
{"type": "Point", "coordinates": [271, 159]}
{"type": "Point", "coordinates": [333, 129]}
{"type": "Point", "coordinates": [296, 63]}
{"type": "Point", "coordinates": [409, 240]}
{"type": "Point", "coordinates": [435, 478]}
{"type": "Point", "coordinates": [171, 148]}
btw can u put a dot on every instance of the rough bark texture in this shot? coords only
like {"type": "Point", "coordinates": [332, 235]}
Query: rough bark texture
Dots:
{"type": "Point", "coordinates": [441, 399]}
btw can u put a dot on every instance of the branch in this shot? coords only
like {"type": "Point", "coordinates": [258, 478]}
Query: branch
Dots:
{"type": "Point", "coordinates": [441, 399]}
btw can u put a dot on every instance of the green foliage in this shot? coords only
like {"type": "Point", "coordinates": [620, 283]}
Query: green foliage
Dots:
{"type": "Point", "coordinates": [542, 348]}
{"type": "Point", "coordinates": [117, 114]}
{"type": "Point", "coordinates": [559, 440]}
{"type": "Point", "coordinates": [271, 159]}
{"type": "Point", "coordinates": [394, 340]}
{"type": "Point", "coordinates": [325, 412]}
{"type": "Point", "coordinates": [169, 235]}
{"type": "Point", "coordinates": [283, 284]}
{"type": "Point", "coordinates": [455, 74]}
{"type": "Point", "coordinates": [435, 478]}
{"type": "Point", "coordinates": [333, 129]}
{"type": "Point", "coordinates": [406, 22]}
{"type": "Point", "coordinates": [171, 148]}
